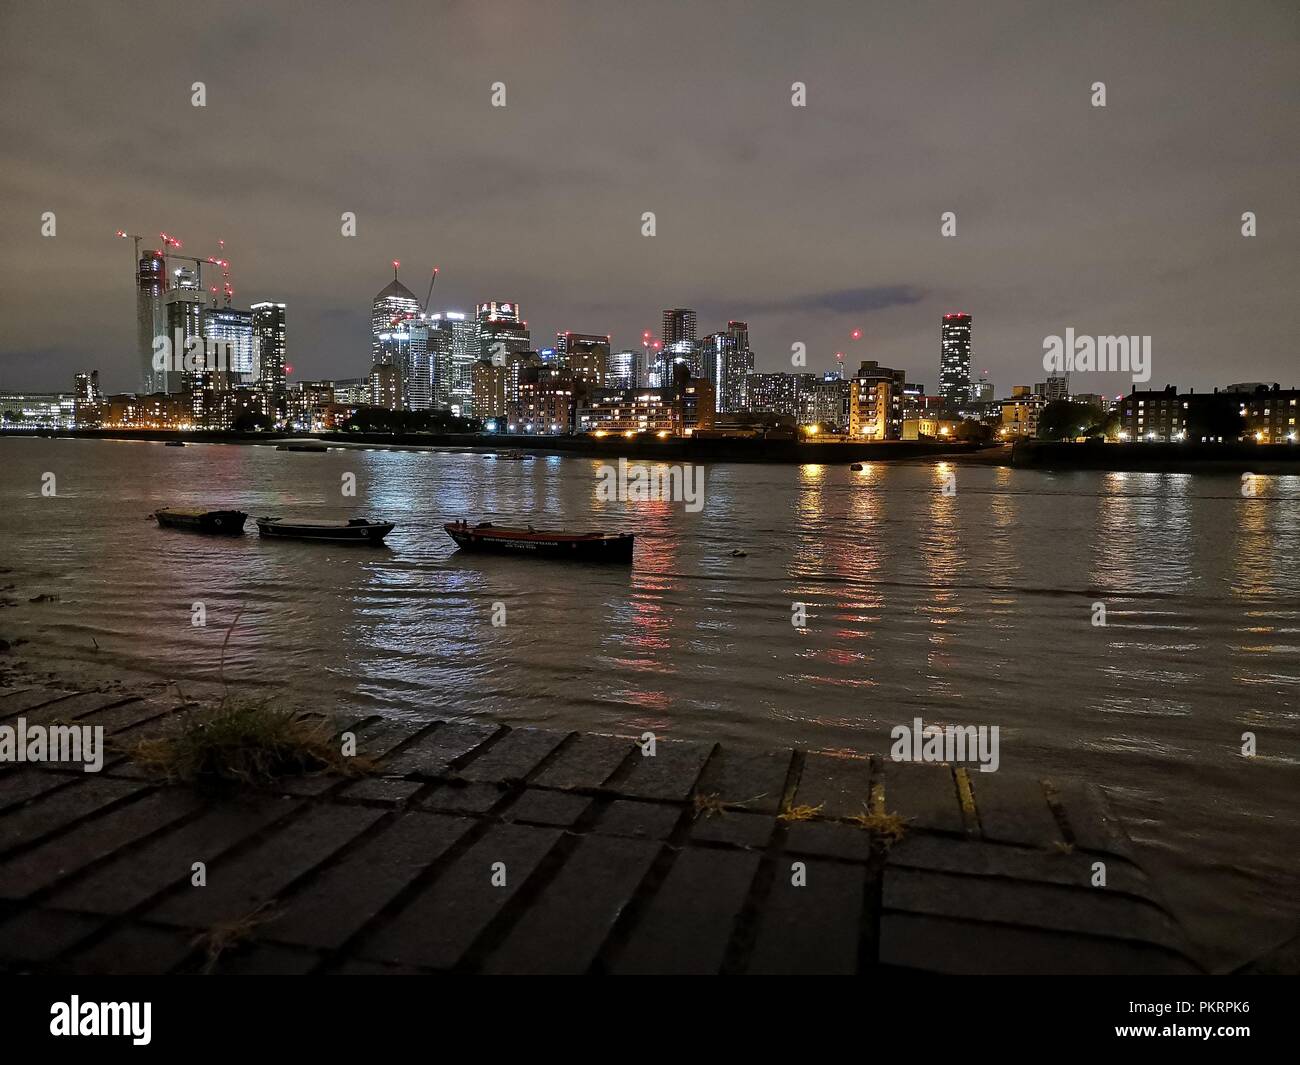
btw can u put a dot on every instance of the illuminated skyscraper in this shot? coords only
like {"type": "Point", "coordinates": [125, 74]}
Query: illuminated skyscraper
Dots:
{"type": "Point", "coordinates": [454, 348]}
{"type": "Point", "coordinates": [393, 306]}
{"type": "Point", "coordinates": [183, 307]}
{"type": "Point", "coordinates": [679, 344]}
{"type": "Point", "coordinates": [150, 317]}
{"type": "Point", "coordinates": [232, 331]}
{"type": "Point", "coordinates": [624, 370]}
{"type": "Point", "coordinates": [954, 361]}
{"type": "Point", "coordinates": [269, 335]}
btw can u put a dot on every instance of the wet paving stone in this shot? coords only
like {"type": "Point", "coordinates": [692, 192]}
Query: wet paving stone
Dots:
{"type": "Point", "coordinates": [431, 754]}
{"type": "Point", "coordinates": [642, 820]}
{"type": "Point", "coordinates": [924, 795]}
{"type": "Point", "coordinates": [436, 928]}
{"type": "Point", "coordinates": [739, 830]}
{"type": "Point", "coordinates": [814, 929]}
{"type": "Point", "coordinates": [538, 806]}
{"type": "Point", "coordinates": [753, 780]}
{"type": "Point", "coordinates": [840, 786]}
{"type": "Point", "coordinates": [690, 921]}
{"type": "Point", "coordinates": [564, 929]}
{"type": "Point", "coordinates": [586, 762]}
{"type": "Point", "coordinates": [512, 757]}
{"type": "Point", "coordinates": [338, 902]}
{"type": "Point", "coordinates": [670, 773]}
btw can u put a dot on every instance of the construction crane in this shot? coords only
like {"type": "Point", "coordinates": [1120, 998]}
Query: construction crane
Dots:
{"type": "Point", "coordinates": [224, 263]}
{"type": "Point", "coordinates": [430, 295]}
{"type": "Point", "coordinates": [172, 242]}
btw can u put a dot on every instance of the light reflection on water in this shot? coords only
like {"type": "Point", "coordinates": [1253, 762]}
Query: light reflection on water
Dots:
{"type": "Point", "coordinates": [975, 607]}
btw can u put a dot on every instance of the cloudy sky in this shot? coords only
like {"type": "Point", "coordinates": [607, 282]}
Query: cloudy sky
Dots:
{"type": "Point", "coordinates": [808, 222]}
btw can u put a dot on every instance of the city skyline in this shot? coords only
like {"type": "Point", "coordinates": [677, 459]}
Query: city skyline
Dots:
{"type": "Point", "coordinates": [1067, 215]}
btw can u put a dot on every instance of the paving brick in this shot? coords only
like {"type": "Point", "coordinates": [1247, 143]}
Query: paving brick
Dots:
{"type": "Point", "coordinates": [541, 807]}
{"type": "Point", "coordinates": [127, 715]}
{"type": "Point", "coordinates": [461, 798]}
{"type": "Point", "coordinates": [23, 702]}
{"type": "Point", "coordinates": [513, 756]}
{"type": "Point", "coordinates": [432, 754]}
{"type": "Point", "coordinates": [841, 786]}
{"type": "Point", "coordinates": [57, 809]}
{"type": "Point", "coordinates": [1014, 810]}
{"type": "Point", "coordinates": [563, 930]}
{"type": "Point", "coordinates": [134, 877]}
{"type": "Point", "coordinates": [939, 945]}
{"type": "Point", "coordinates": [740, 830]}
{"type": "Point", "coordinates": [586, 762]}
{"type": "Point", "coordinates": [133, 950]}
{"type": "Point", "coordinates": [1092, 911]}
{"type": "Point", "coordinates": [980, 858]}
{"type": "Point", "coordinates": [752, 779]}
{"type": "Point", "coordinates": [813, 929]}
{"type": "Point", "coordinates": [74, 707]}
{"type": "Point", "coordinates": [828, 840]}
{"type": "Point", "coordinates": [375, 739]}
{"type": "Point", "coordinates": [643, 820]}
{"type": "Point", "coordinates": [19, 785]}
{"type": "Point", "coordinates": [381, 789]}
{"type": "Point", "coordinates": [439, 925]}
{"type": "Point", "coordinates": [31, 871]}
{"type": "Point", "coordinates": [689, 922]}
{"type": "Point", "coordinates": [36, 936]}
{"type": "Point", "coordinates": [669, 774]}
{"type": "Point", "coordinates": [307, 787]}
{"type": "Point", "coordinates": [239, 885]}
{"type": "Point", "coordinates": [336, 904]}
{"type": "Point", "coordinates": [925, 795]}
{"type": "Point", "coordinates": [1091, 819]}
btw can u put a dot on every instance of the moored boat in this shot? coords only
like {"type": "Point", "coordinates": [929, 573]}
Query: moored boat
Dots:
{"type": "Point", "coordinates": [513, 540]}
{"type": "Point", "coordinates": [174, 443]}
{"type": "Point", "coordinates": [195, 519]}
{"type": "Point", "coordinates": [352, 531]}
{"type": "Point", "coordinates": [512, 453]}
{"type": "Point", "coordinates": [314, 446]}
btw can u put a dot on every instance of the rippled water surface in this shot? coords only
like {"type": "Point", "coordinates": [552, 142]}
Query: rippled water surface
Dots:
{"type": "Point", "coordinates": [974, 608]}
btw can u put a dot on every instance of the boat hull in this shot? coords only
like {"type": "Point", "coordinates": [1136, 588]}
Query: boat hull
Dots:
{"type": "Point", "coordinates": [372, 533]}
{"type": "Point", "coordinates": [220, 522]}
{"type": "Point", "coordinates": [588, 548]}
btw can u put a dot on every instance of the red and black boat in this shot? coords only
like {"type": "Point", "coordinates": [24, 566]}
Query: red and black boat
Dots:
{"type": "Point", "coordinates": [513, 540]}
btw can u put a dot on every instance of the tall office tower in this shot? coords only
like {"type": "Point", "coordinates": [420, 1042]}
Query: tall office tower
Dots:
{"type": "Point", "coordinates": [414, 366]}
{"type": "Point", "coordinates": [500, 331]}
{"type": "Point", "coordinates": [393, 306]}
{"type": "Point", "coordinates": [269, 336]}
{"type": "Point", "coordinates": [679, 344]}
{"type": "Point", "coordinates": [954, 361]}
{"type": "Point", "coordinates": [624, 370]}
{"type": "Point", "coordinates": [183, 308]}
{"type": "Point", "coordinates": [150, 316]}
{"type": "Point", "coordinates": [584, 355]}
{"type": "Point", "coordinates": [87, 388]}
{"type": "Point", "coordinates": [454, 348]}
{"type": "Point", "coordinates": [231, 332]}
{"type": "Point", "coordinates": [1057, 386]}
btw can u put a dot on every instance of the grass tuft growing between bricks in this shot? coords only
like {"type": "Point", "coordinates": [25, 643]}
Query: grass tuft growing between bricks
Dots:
{"type": "Point", "coordinates": [800, 813]}
{"type": "Point", "coordinates": [887, 828]}
{"type": "Point", "coordinates": [230, 935]}
{"type": "Point", "coordinates": [248, 743]}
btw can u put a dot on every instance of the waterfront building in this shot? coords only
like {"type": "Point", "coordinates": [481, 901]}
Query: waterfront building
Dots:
{"type": "Point", "coordinates": [1018, 416]}
{"type": "Point", "coordinates": [454, 347]}
{"type": "Point", "coordinates": [546, 403]}
{"type": "Point", "coordinates": [777, 393]}
{"type": "Point", "coordinates": [1270, 414]}
{"type": "Point", "coordinates": [584, 355]}
{"type": "Point", "coordinates": [876, 402]}
{"type": "Point", "coordinates": [501, 331]}
{"type": "Point", "coordinates": [825, 400]}
{"type": "Point", "coordinates": [624, 370]}
{"type": "Point", "coordinates": [954, 360]}
{"type": "Point", "coordinates": [352, 391]}
{"type": "Point", "coordinates": [87, 399]}
{"type": "Point", "coordinates": [269, 335]}
{"type": "Point", "coordinates": [1267, 415]}
{"type": "Point", "coordinates": [306, 404]}
{"type": "Point", "coordinates": [38, 410]}
{"type": "Point", "coordinates": [679, 411]}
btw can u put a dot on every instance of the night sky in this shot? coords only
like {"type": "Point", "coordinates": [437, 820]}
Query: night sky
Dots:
{"type": "Point", "coordinates": [807, 222]}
